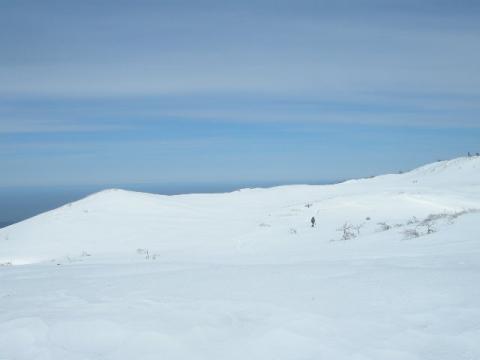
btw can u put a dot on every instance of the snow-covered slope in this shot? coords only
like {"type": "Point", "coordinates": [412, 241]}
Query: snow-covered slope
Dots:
{"type": "Point", "coordinates": [117, 222]}
{"type": "Point", "coordinates": [389, 272]}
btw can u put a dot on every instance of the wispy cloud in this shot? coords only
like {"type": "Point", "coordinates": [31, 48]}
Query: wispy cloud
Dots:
{"type": "Point", "coordinates": [132, 114]}
{"type": "Point", "coordinates": [262, 48]}
{"type": "Point", "coordinates": [120, 89]}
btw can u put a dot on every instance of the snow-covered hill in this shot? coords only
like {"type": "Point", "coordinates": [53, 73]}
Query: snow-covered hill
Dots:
{"type": "Point", "coordinates": [117, 222]}
{"type": "Point", "coordinates": [389, 272]}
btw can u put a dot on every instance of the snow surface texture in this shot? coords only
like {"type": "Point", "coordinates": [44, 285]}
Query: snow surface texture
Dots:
{"type": "Point", "coordinates": [391, 271]}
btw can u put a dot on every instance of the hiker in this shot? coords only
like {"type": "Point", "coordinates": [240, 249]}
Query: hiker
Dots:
{"type": "Point", "coordinates": [313, 221]}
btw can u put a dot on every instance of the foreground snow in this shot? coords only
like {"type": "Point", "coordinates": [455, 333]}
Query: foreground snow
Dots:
{"type": "Point", "coordinates": [122, 275]}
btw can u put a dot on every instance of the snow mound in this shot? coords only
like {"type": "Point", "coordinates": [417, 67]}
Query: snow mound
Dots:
{"type": "Point", "coordinates": [460, 170]}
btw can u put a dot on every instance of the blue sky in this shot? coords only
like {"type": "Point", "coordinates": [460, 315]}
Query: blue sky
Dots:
{"type": "Point", "coordinates": [151, 92]}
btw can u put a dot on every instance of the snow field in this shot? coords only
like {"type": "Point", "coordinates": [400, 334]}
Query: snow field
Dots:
{"type": "Point", "coordinates": [244, 276]}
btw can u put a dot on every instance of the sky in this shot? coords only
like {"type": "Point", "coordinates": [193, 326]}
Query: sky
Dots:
{"type": "Point", "coordinates": [110, 93]}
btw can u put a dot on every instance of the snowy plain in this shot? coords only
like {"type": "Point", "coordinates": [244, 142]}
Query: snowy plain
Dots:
{"type": "Point", "coordinates": [390, 271]}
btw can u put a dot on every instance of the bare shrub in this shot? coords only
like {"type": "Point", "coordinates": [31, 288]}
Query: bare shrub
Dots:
{"type": "Point", "coordinates": [384, 226]}
{"type": "Point", "coordinates": [348, 231]}
{"type": "Point", "coordinates": [434, 217]}
{"type": "Point", "coordinates": [463, 212]}
{"type": "Point", "coordinates": [144, 252]}
{"type": "Point", "coordinates": [411, 233]}
{"type": "Point", "coordinates": [357, 228]}
{"type": "Point", "coordinates": [412, 220]}
{"type": "Point", "coordinates": [430, 220]}
{"type": "Point", "coordinates": [429, 227]}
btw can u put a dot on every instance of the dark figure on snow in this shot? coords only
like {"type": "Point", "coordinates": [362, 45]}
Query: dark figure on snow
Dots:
{"type": "Point", "coordinates": [313, 221]}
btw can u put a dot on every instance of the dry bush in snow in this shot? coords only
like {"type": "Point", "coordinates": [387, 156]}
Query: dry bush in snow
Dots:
{"type": "Point", "coordinates": [412, 220]}
{"type": "Point", "coordinates": [411, 233]}
{"type": "Point", "coordinates": [348, 231]}
{"type": "Point", "coordinates": [384, 226]}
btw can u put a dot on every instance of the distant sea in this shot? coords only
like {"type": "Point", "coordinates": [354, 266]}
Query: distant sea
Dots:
{"type": "Point", "coordinates": [6, 223]}
{"type": "Point", "coordinates": [20, 203]}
